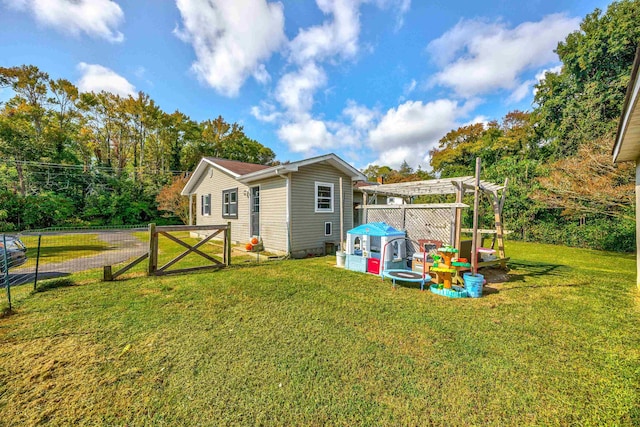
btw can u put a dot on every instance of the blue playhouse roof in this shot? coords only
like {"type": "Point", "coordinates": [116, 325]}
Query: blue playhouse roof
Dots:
{"type": "Point", "coordinates": [376, 229]}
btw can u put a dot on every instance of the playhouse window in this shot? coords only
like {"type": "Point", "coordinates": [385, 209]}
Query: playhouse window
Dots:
{"type": "Point", "coordinates": [376, 243]}
{"type": "Point", "coordinates": [324, 197]}
{"type": "Point", "coordinates": [230, 203]}
{"type": "Point", "coordinates": [206, 204]}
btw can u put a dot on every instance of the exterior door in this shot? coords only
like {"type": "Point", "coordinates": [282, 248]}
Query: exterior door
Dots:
{"type": "Point", "coordinates": [255, 211]}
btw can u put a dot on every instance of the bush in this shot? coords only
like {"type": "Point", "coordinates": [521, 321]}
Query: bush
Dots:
{"type": "Point", "coordinates": [609, 234]}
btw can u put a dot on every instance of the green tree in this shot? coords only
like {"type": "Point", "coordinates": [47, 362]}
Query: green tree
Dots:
{"type": "Point", "coordinates": [584, 100]}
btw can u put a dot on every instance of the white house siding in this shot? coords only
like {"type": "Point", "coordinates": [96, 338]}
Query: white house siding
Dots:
{"type": "Point", "coordinates": [273, 212]}
{"type": "Point", "coordinates": [307, 226]}
{"type": "Point", "coordinates": [214, 182]}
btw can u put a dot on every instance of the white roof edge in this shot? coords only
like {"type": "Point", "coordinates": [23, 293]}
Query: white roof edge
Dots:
{"type": "Point", "coordinates": [195, 176]}
{"type": "Point", "coordinates": [631, 107]}
{"type": "Point", "coordinates": [294, 166]}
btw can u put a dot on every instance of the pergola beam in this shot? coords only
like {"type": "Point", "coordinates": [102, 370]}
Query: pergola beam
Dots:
{"type": "Point", "coordinates": [431, 187]}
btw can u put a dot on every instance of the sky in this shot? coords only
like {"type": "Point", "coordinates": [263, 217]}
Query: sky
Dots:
{"type": "Point", "coordinates": [374, 81]}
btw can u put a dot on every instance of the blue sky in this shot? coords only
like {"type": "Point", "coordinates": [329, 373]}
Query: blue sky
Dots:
{"type": "Point", "coordinates": [374, 81]}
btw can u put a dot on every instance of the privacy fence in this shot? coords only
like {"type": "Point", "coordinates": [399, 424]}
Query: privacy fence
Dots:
{"type": "Point", "coordinates": [29, 258]}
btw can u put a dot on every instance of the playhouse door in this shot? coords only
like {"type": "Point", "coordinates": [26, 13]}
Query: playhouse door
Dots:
{"type": "Point", "coordinates": [255, 211]}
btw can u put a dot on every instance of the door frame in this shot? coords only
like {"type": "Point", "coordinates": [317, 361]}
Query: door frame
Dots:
{"type": "Point", "coordinates": [251, 213]}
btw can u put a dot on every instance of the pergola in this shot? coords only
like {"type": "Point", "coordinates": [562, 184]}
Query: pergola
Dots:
{"type": "Point", "coordinates": [459, 186]}
{"type": "Point", "coordinates": [462, 184]}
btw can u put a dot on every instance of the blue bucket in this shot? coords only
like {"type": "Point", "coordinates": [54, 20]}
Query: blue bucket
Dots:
{"type": "Point", "coordinates": [473, 284]}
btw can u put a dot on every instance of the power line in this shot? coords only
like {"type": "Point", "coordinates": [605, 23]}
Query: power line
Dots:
{"type": "Point", "coordinates": [136, 169]}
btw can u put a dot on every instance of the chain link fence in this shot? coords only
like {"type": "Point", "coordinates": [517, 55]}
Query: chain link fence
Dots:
{"type": "Point", "coordinates": [28, 258]}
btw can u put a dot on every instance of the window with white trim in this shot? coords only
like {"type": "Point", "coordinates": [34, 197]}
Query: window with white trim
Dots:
{"type": "Point", "coordinates": [324, 197]}
{"type": "Point", "coordinates": [230, 203]}
{"type": "Point", "coordinates": [327, 229]}
{"type": "Point", "coordinates": [206, 204]}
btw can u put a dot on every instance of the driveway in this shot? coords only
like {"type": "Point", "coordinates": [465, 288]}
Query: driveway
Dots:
{"type": "Point", "coordinates": [123, 245]}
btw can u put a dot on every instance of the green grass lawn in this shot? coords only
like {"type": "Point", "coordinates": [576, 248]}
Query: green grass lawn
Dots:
{"type": "Point", "coordinates": [301, 342]}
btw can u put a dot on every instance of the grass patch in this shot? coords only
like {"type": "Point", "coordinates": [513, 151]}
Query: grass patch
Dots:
{"type": "Point", "coordinates": [301, 342]}
{"type": "Point", "coordinates": [48, 285]}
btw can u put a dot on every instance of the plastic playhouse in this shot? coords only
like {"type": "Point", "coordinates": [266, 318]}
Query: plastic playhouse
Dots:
{"type": "Point", "coordinates": [365, 245]}
{"type": "Point", "coordinates": [378, 248]}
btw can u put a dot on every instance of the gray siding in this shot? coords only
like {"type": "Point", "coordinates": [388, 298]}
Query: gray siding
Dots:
{"type": "Point", "coordinates": [307, 226]}
{"type": "Point", "coordinates": [273, 212]}
{"type": "Point", "coordinates": [214, 182]}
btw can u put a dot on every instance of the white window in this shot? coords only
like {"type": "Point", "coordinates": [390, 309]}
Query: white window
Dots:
{"type": "Point", "coordinates": [324, 197]}
{"type": "Point", "coordinates": [230, 203]}
{"type": "Point", "coordinates": [206, 204]}
{"type": "Point", "coordinates": [327, 229]}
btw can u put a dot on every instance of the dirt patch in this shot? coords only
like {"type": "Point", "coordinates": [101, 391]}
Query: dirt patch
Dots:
{"type": "Point", "coordinates": [495, 276]}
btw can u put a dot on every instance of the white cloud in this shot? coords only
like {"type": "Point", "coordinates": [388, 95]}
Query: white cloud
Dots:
{"type": "Point", "coordinates": [261, 74]}
{"type": "Point", "coordinates": [295, 90]}
{"type": "Point", "coordinates": [410, 87]}
{"type": "Point", "coordinates": [395, 156]}
{"type": "Point", "coordinates": [338, 37]}
{"type": "Point", "coordinates": [408, 132]}
{"type": "Point", "coordinates": [477, 119]}
{"type": "Point", "coordinates": [334, 40]}
{"type": "Point", "coordinates": [306, 134]}
{"type": "Point", "coordinates": [414, 124]}
{"type": "Point", "coordinates": [361, 117]}
{"type": "Point", "coordinates": [231, 39]}
{"type": "Point", "coordinates": [96, 78]}
{"type": "Point", "coordinates": [401, 6]}
{"type": "Point", "coordinates": [266, 112]}
{"type": "Point", "coordinates": [520, 92]}
{"type": "Point", "coordinates": [479, 57]}
{"type": "Point", "coordinates": [542, 73]}
{"type": "Point", "coordinates": [96, 18]}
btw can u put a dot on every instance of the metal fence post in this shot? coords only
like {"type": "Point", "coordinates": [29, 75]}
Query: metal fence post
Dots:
{"type": "Point", "coordinates": [6, 269]}
{"type": "Point", "coordinates": [35, 280]}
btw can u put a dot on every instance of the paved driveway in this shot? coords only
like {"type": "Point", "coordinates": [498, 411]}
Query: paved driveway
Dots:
{"type": "Point", "coordinates": [123, 245]}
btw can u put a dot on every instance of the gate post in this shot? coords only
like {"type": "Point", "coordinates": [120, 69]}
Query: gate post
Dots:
{"type": "Point", "coordinates": [153, 250]}
{"type": "Point", "coordinates": [227, 243]}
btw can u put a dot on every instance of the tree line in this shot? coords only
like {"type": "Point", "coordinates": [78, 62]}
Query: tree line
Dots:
{"type": "Point", "coordinates": [564, 187]}
{"type": "Point", "coordinates": [73, 158]}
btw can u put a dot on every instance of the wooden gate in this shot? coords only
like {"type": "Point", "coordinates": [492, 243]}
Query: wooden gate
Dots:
{"type": "Point", "coordinates": [152, 254]}
{"type": "Point", "coordinates": [155, 232]}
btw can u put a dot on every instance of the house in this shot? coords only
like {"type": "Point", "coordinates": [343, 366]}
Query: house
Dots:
{"type": "Point", "coordinates": [627, 144]}
{"type": "Point", "coordinates": [359, 197]}
{"type": "Point", "coordinates": [297, 208]}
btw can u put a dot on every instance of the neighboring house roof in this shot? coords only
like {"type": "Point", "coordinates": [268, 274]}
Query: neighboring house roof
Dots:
{"type": "Point", "coordinates": [358, 185]}
{"type": "Point", "coordinates": [627, 146]}
{"type": "Point", "coordinates": [249, 172]}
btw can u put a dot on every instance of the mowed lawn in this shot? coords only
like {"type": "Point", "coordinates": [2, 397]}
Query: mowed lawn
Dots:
{"type": "Point", "coordinates": [301, 342]}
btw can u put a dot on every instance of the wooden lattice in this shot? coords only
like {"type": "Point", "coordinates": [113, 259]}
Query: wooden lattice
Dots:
{"type": "Point", "coordinates": [419, 222]}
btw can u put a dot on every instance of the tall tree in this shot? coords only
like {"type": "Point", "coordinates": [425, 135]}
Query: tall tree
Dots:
{"type": "Point", "coordinates": [584, 100]}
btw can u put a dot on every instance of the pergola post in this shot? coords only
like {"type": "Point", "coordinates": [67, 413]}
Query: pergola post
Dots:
{"type": "Point", "coordinates": [476, 205]}
{"type": "Point", "coordinates": [458, 226]}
